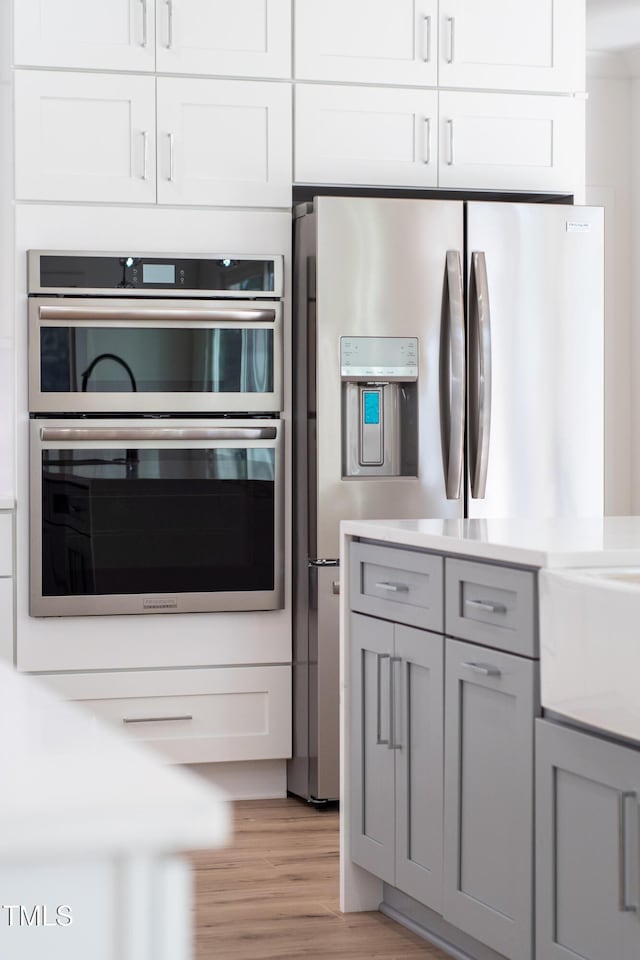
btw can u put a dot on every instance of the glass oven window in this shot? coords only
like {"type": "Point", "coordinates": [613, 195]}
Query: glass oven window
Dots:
{"type": "Point", "coordinates": [158, 360]}
{"type": "Point", "coordinates": [133, 521]}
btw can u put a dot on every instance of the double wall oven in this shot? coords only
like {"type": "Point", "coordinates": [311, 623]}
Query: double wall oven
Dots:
{"type": "Point", "coordinates": [155, 393]}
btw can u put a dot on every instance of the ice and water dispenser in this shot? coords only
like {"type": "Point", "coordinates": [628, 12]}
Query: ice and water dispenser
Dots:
{"type": "Point", "coordinates": [379, 406]}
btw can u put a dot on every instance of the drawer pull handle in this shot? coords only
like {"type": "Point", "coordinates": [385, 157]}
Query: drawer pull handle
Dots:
{"type": "Point", "coordinates": [484, 605]}
{"type": "Point", "coordinates": [186, 716]}
{"type": "Point", "coordinates": [486, 669]}
{"type": "Point", "coordinates": [392, 587]}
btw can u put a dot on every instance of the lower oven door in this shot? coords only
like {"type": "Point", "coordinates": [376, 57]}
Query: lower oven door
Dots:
{"type": "Point", "coordinates": [149, 516]}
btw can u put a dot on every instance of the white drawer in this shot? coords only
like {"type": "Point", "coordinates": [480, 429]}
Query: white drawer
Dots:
{"type": "Point", "coordinates": [6, 544]}
{"type": "Point", "coordinates": [193, 716]}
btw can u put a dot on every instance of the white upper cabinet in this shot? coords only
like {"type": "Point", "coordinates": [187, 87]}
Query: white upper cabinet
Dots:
{"type": "Point", "coordinates": [366, 135]}
{"type": "Point", "coordinates": [90, 34]}
{"type": "Point", "coordinates": [508, 45]}
{"type": "Point", "coordinates": [501, 141]}
{"type": "Point", "coordinates": [84, 136]}
{"type": "Point", "coordinates": [244, 38]}
{"type": "Point", "coordinates": [224, 142]}
{"type": "Point", "coordinates": [367, 41]}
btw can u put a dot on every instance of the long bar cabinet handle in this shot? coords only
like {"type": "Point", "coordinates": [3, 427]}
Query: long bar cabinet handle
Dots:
{"type": "Point", "coordinates": [104, 434]}
{"type": "Point", "coordinates": [145, 23]}
{"type": "Point", "coordinates": [623, 905]}
{"type": "Point", "coordinates": [169, 24]}
{"type": "Point", "coordinates": [393, 743]}
{"type": "Point", "coordinates": [427, 40]}
{"type": "Point", "coordinates": [451, 22]}
{"type": "Point", "coordinates": [380, 741]}
{"type": "Point", "coordinates": [145, 154]}
{"type": "Point", "coordinates": [451, 156]}
{"type": "Point", "coordinates": [186, 716]}
{"type": "Point", "coordinates": [427, 140]}
{"type": "Point", "coordinates": [171, 176]}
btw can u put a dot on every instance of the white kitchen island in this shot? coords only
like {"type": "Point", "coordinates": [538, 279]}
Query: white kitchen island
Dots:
{"type": "Point", "coordinates": [90, 828]}
{"type": "Point", "coordinates": [448, 628]}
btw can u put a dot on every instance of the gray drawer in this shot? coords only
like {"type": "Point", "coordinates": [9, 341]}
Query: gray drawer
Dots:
{"type": "Point", "coordinates": [399, 585]}
{"type": "Point", "coordinates": [491, 605]}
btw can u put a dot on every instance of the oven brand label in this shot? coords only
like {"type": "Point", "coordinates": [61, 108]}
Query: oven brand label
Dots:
{"type": "Point", "coordinates": [160, 603]}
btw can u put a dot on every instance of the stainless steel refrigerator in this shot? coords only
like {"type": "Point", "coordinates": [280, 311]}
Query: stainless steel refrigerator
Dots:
{"type": "Point", "coordinates": [448, 363]}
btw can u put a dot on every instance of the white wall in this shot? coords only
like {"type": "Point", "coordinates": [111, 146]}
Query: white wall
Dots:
{"type": "Point", "coordinates": [609, 184]}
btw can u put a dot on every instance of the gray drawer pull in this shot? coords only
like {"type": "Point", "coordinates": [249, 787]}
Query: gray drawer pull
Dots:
{"type": "Point", "coordinates": [155, 719]}
{"type": "Point", "coordinates": [484, 605]}
{"type": "Point", "coordinates": [486, 669]}
{"type": "Point", "coordinates": [392, 587]}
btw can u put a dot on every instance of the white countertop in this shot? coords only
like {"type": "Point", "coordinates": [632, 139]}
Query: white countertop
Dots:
{"type": "Point", "coordinates": [582, 542]}
{"type": "Point", "coordinates": [69, 785]}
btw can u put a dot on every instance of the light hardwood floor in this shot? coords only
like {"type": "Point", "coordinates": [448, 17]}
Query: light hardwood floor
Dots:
{"type": "Point", "coordinates": [273, 894]}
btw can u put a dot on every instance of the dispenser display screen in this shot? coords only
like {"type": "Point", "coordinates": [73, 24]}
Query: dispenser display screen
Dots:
{"type": "Point", "coordinates": [371, 402]}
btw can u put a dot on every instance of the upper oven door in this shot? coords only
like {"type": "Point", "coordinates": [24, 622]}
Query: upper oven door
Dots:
{"type": "Point", "coordinates": [154, 356]}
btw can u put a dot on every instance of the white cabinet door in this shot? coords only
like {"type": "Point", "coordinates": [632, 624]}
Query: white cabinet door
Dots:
{"type": "Point", "coordinates": [224, 142]}
{"type": "Point", "coordinates": [494, 141]}
{"type": "Point", "coordinates": [91, 34]}
{"type": "Point", "coordinates": [502, 45]}
{"type": "Point", "coordinates": [365, 135]}
{"type": "Point", "coordinates": [246, 38]}
{"type": "Point", "coordinates": [367, 41]}
{"type": "Point", "coordinates": [84, 137]}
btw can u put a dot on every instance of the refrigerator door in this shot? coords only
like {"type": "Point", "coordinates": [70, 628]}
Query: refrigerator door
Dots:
{"type": "Point", "coordinates": [385, 268]}
{"type": "Point", "coordinates": [535, 360]}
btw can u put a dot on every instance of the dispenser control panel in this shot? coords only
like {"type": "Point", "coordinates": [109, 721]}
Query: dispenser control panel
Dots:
{"type": "Point", "coordinates": [379, 358]}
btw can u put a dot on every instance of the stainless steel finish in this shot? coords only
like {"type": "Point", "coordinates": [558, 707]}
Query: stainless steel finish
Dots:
{"type": "Point", "coordinates": [451, 154]}
{"type": "Point", "coordinates": [479, 375]}
{"type": "Point", "coordinates": [324, 690]}
{"type": "Point", "coordinates": [186, 716]}
{"type": "Point", "coordinates": [155, 434]}
{"type": "Point", "coordinates": [55, 311]}
{"type": "Point", "coordinates": [451, 23]}
{"type": "Point", "coordinates": [487, 606]}
{"type": "Point", "coordinates": [171, 176]}
{"type": "Point", "coordinates": [145, 23]}
{"type": "Point", "coordinates": [33, 276]}
{"type": "Point", "coordinates": [547, 302]}
{"type": "Point", "coordinates": [379, 658]}
{"type": "Point", "coordinates": [427, 40]}
{"type": "Point", "coordinates": [486, 669]}
{"type": "Point", "coordinates": [145, 154]}
{"type": "Point", "coordinates": [392, 587]}
{"type": "Point", "coordinates": [169, 24]}
{"type": "Point", "coordinates": [623, 905]}
{"type": "Point", "coordinates": [125, 604]}
{"type": "Point", "coordinates": [335, 588]}
{"type": "Point", "coordinates": [393, 700]}
{"type": "Point", "coordinates": [380, 456]}
{"type": "Point", "coordinates": [452, 379]}
{"type": "Point", "coordinates": [351, 239]}
{"type": "Point", "coordinates": [427, 140]}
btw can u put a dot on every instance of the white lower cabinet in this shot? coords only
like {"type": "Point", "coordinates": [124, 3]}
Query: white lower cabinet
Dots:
{"type": "Point", "coordinates": [366, 135]}
{"type": "Point", "coordinates": [496, 141]}
{"type": "Point", "coordinates": [224, 142]}
{"type": "Point", "coordinates": [84, 137]}
{"type": "Point", "coordinates": [192, 716]}
{"type": "Point", "coordinates": [92, 137]}
{"type": "Point", "coordinates": [7, 627]}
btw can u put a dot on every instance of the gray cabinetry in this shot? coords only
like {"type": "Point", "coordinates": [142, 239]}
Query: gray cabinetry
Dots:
{"type": "Point", "coordinates": [587, 861]}
{"type": "Point", "coordinates": [396, 759]}
{"type": "Point", "coordinates": [490, 701]}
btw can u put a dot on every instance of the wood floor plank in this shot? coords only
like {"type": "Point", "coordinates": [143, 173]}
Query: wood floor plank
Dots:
{"type": "Point", "coordinates": [273, 894]}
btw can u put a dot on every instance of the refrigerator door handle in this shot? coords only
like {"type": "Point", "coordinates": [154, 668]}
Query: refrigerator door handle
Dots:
{"type": "Point", "coordinates": [452, 378]}
{"type": "Point", "coordinates": [479, 375]}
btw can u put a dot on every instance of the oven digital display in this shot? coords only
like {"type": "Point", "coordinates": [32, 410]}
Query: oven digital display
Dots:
{"type": "Point", "coordinates": [158, 273]}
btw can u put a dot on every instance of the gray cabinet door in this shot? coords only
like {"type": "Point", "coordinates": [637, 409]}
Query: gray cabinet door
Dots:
{"type": "Point", "coordinates": [488, 834]}
{"type": "Point", "coordinates": [587, 893]}
{"type": "Point", "coordinates": [372, 760]}
{"type": "Point", "coordinates": [418, 673]}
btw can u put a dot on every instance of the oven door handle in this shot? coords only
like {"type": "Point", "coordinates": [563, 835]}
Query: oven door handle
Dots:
{"type": "Point", "coordinates": [79, 434]}
{"type": "Point", "coordinates": [70, 312]}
